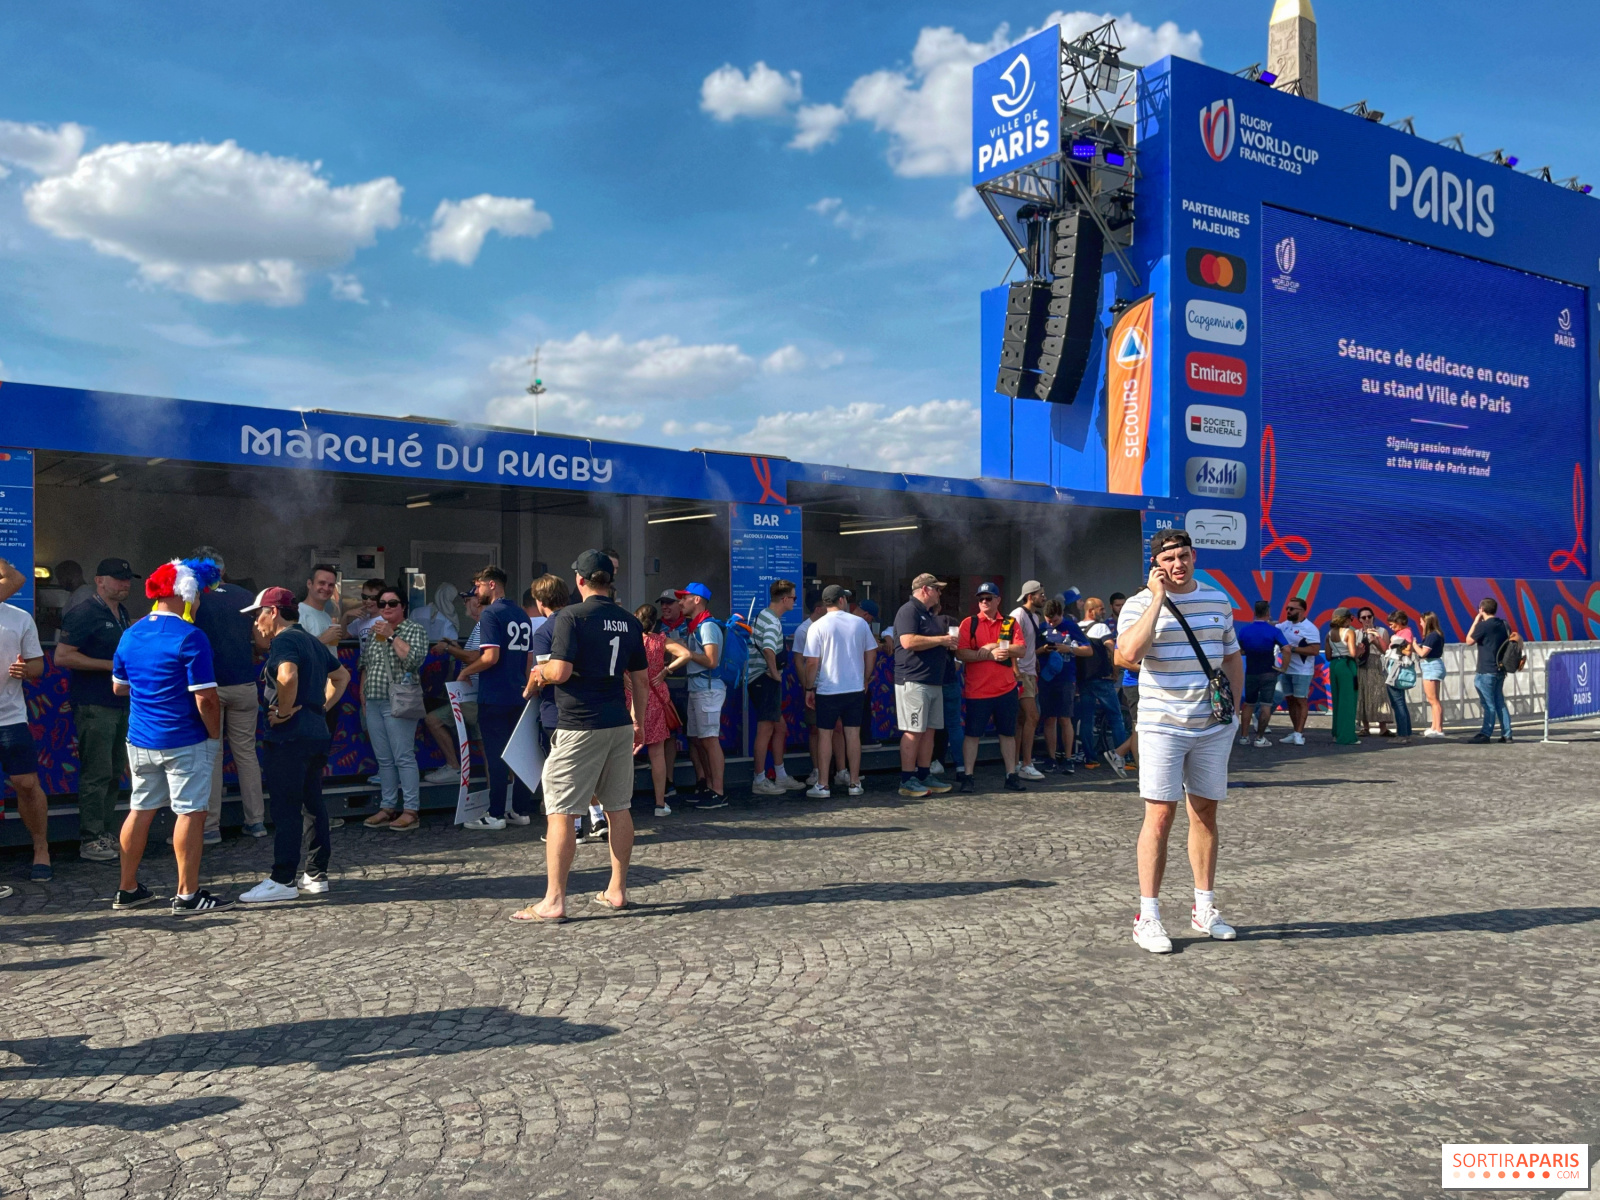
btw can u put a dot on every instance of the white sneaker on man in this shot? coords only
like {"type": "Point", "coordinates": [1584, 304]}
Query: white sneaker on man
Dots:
{"type": "Point", "coordinates": [765, 787]}
{"type": "Point", "coordinates": [443, 775]}
{"type": "Point", "coordinates": [1029, 771]}
{"type": "Point", "coordinates": [936, 767]}
{"type": "Point", "coordinates": [841, 778]}
{"type": "Point", "coordinates": [485, 823]}
{"type": "Point", "coordinates": [1209, 920]}
{"type": "Point", "coordinates": [1262, 742]}
{"type": "Point", "coordinates": [817, 792]}
{"type": "Point", "coordinates": [515, 818]}
{"type": "Point", "coordinates": [1244, 739]}
{"type": "Point", "coordinates": [1294, 739]}
{"type": "Point", "coordinates": [856, 789]}
{"type": "Point", "coordinates": [811, 779]}
{"type": "Point", "coordinates": [789, 783]}
{"type": "Point", "coordinates": [313, 885]}
{"type": "Point", "coordinates": [270, 891]}
{"type": "Point", "coordinates": [1151, 935]}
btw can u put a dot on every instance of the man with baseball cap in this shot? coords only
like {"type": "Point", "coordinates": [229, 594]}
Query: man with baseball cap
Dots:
{"type": "Point", "coordinates": [1030, 604]}
{"type": "Point", "coordinates": [304, 680]}
{"type": "Point", "coordinates": [921, 652]}
{"type": "Point", "coordinates": [706, 693]}
{"type": "Point", "coordinates": [88, 638]}
{"type": "Point", "coordinates": [987, 643]}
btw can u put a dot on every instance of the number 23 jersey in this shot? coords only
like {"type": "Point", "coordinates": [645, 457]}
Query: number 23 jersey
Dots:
{"type": "Point", "coordinates": [505, 625]}
{"type": "Point", "coordinates": [603, 641]}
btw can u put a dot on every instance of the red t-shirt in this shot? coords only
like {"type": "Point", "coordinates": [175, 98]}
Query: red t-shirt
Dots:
{"type": "Point", "coordinates": [984, 680]}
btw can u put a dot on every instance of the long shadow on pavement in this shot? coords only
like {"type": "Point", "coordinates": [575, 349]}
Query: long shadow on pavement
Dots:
{"type": "Point", "coordinates": [329, 1044]}
{"type": "Point", "coordinates": [1497, 920]}
{"type": "Point", "coordinates": [843, 893]}
{"type": "Point", "coordinates": [50, 964]}
{"type": "Point", "coordinates": [19, 1116]}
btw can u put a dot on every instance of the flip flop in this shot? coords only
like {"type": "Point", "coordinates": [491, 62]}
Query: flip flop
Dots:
{"type": "Point", "coordinates": [534, 918]}
{"type": "Point", "coordinates": [603, 902]}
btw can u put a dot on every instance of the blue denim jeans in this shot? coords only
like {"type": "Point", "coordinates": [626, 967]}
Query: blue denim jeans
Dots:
{"type": "Point", "coordinates": [394, 743]}
{"type": "Point", "coordinates": [1402, 711]}
{"type": "Point", "coordinates": [1491, 694]}
{"type": "Point", "coordinates": [1099, 694]}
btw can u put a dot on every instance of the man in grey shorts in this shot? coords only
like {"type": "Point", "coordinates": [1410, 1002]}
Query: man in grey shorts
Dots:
{"type": "Point", "coordinates": [594, 646]}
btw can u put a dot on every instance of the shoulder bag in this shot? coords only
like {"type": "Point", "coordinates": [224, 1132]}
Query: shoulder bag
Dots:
{"type": "Point", "coordinates": [405, 693]}
{"type": "Point", "coordinates": [1219, 689]}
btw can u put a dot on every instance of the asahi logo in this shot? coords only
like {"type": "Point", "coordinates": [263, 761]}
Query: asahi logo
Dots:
{"type": "Point", "coordinates": [1224, 478]}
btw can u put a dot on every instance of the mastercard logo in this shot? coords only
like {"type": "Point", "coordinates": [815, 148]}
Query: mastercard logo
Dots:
{"type": "Point", "coordinates": [1216, 269]}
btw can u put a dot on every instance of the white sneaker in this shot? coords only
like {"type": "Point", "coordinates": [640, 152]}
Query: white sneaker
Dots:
{"type": "Point", "coordinates": [312, 885]}
{"type": "Point", "coordinates": [811, 779]}
{"type": "Point", "coordinates": [1293, 739]}
{"type": "Point", "coordinates": [789, 783]}
{"type": "Point", "coordinates": [1433, 733]}
{"type": "Point", "coordinates": [517, 819]}
{"type": "Point", "coordinates": [1244, 740]}
{"type": "Point", "coordinates": [1210, 921]}
{"type": "Point", "coordinates": [817, 792]}
{"type": "Point", "coordinates": [1151, 935]}
{"type": "Point", "coordinates": [857, 789]}
{"type": "Point", "coordinates": [936, 768]}
{"type": "Point", "coordinates": [443, 775]}
{"type": "Point", "coordinates": [765, 787]}
{"type": "Point", "coordinates": [1262, 742]}
{"type": "Point", "coordinates": [841, 778]}
{"type": "Point", "coordinates": [485, 822]}
{"type": "Point", "coordinates": [269, 891]}
{"type": "Point", "coordinates": [374, 779]}
{"type": "Point", "coordinates": [1030, 772]}
{"type": "Point", "coordinates": [663, 810]}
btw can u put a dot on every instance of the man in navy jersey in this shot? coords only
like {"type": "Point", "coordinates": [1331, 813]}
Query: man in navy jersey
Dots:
{"type": "Point", "coordinates": [505, 636]}
{"type": "Point", "coordinates": [594, 646]}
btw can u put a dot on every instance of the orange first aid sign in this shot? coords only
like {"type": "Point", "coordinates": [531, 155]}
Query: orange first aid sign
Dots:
{"type": "Point", "coordinates": [1128, 399]}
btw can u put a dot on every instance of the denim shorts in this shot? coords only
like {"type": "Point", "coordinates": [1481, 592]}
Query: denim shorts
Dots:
{"type": "Point", "coordinates": [1433, 668]}
{"type": "Point", "coordinates": [179, 778]}
{"type": "Point", "coordinates": [18, 755]}
{"type": "Point", "coordinates": [1298, 686]}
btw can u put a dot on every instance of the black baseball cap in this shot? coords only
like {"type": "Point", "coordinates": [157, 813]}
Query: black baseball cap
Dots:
{"type": "Point", "coordinates": [591, 561]}
{"type": "Point", "coordinates": [116, 568]}
{"type": "Point", "coordinates": [832, 593]}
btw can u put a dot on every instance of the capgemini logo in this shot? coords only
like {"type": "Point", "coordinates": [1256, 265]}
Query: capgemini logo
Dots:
{"type": "Point", "coordinates": [1009, 104]}
{"type": "Point", "coordinates": [1285, 255]}
{"type": "Point", "coordinates": [1218, 124]}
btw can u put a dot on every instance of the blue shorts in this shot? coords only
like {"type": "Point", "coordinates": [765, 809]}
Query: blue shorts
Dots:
{"type": "Point", "coordinates": [1433, 668]}
{"type": "Point", "coordinates": [1003, 710]}
{"type": "Point", "coordinates": [1057, 697]}
{"type": "Point", "coordinates": [1298, 686]}
{"type": "Point", "coordinates": [1261, 688]}
{"type": "Point", "coordinates": [18, 755]}
{"type": "Point", "coordinates": [179, 778]}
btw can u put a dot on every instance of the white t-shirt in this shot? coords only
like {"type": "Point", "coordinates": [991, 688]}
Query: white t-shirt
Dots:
{"type": "Point", "coordinates": [1028, 630]}
{"type": "Point", "coordinates": [18, 635]}
{"type": "Point", "coordinates": [314, 620]}
{"type": "Point", "coordinates": [840, 641]}
{"type": "Point", "coordinates": [1293, 631]}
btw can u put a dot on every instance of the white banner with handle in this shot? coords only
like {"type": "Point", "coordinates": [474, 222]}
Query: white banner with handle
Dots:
{"type": "Point", "coordinates": [470, 805]}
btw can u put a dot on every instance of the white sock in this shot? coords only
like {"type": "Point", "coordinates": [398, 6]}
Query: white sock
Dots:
{"type": "Point", "coordinates": [1149, 908]}
{"type": "Point", "coordinates": [1204, 900]}
{"type": "Point", "coordinates": [187, 895]}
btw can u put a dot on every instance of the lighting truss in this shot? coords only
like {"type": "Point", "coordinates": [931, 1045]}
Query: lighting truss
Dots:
{"type": "Point", "coordinates": [1099, 94]}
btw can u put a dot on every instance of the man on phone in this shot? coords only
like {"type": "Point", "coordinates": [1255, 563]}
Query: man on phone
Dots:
{"type": "Point", "coordinates": [1304, 642]}
{"type": "Point", "coordinates": [1183, 748]}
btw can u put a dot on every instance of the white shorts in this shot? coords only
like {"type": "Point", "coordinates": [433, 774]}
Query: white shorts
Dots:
{"type": "Point", "coordinates": [918, 707]}
{"type": "Point", "coordinates": [1174, 764]}
{"type": "Point", "coordinates": [705, 710]}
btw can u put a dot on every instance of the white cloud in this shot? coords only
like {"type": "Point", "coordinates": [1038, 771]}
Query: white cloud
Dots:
{"type": "Point", "coordinates": [704, 428]}
{"type": "Point", "coordinates": [195, 337]}
{"type": "Point", "coordinates": [459, 226]}
{"type": "Point", "coordinates": [784, 361]}
{"type": "Point", "coordinates": [832, 209]}
{"type": "Point", "coordinates": [938, 437]}
{"type": "Point", "coordinates": [966, 204]}
{"type": "Point", "coordinates": [347, 287]}
{"type": "Point", "coordinates": [598, 384]}
{"type": "Point", "coordinates": [817, 125]}
{"type": "Point", "coordinates": [216, 221]}
{"type": "Point", "coordinates": [40, 149]}
{"type": "Point", "coordinates": [728, 92]}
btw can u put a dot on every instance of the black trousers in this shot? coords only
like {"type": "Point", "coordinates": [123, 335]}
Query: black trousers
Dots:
{"type": "Point", "coordinates": [292, 772]}
{"type": "Point", "coordinates": [497, 722]}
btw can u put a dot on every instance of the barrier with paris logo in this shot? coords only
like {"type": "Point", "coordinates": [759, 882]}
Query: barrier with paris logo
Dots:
{"type": "Point", "coordinates": [1572, 686]}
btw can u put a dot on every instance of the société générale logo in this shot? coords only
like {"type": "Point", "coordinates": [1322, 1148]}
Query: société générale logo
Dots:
{"type": "Point", "coordinates": [1010, 103]}
{"type": "Point", "coordinates": [1218, 125]}
{"type": "Point", "coordinates": [1284, 252]}
{"type": "Point", "coordinates": [1222, 125]}
{"type": "Point", "coordinates": [1215, 269]}
{"type": "Point", "coordinates": [1564, 334]}
{"type": "Point", "coordinates": [1132, 348]}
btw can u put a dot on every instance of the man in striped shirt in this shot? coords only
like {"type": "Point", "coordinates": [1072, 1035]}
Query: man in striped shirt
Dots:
{"type": "Point", "coordinates": [1183, 750]}
{"type": "Point", "coordinates": [764, 683]}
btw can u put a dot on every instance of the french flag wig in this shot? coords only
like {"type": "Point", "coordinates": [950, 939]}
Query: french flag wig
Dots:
{"type": "Point", "coordinates": [185, 578]}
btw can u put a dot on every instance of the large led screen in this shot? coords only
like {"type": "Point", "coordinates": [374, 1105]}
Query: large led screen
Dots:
{"type": "Point", "coordinates": [1422, 413]}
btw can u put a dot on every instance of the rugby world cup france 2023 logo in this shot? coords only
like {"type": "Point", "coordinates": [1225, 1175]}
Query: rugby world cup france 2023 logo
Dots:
{"type": "Point", "coordinates": [1219, 124]}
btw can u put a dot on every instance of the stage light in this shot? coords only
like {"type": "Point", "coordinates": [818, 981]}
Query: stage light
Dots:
{"type": "Point", "coordinates": [1083, 150]}
{"type": "Point", "coordinates": [41, 572]}
{"type": "Point", "coordinates": [1267, 77]}
{"type": "Point", "coordinates": [108, 478]}
{"type": "Point", "coordinates": [879, 529]}
{"type": "Point", "coordinates": [1115, 158]}
{"type": "Point", "coordinates": [423, 503]}
{"type": "Point", "coordinates": [1586, 188]}
{"type": "Point", "coordinates": [1511, 160]}
{"type": "Point", "coordinates": [705, 516]}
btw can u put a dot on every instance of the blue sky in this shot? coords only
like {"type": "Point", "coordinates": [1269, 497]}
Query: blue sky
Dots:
{"type": "Point", "coordinates": [386, 207]}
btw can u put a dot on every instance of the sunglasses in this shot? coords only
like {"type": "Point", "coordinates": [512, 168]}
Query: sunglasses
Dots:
{"type": "Point", "coordinates": [988, 599]}
{"type": "Point", "coordinates": [389, 604]}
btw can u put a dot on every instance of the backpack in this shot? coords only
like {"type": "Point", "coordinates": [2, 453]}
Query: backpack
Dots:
{"type": "Point", "coordinates": [1510, 658]}
{"type": "Point", "coordinates": [736, 638]}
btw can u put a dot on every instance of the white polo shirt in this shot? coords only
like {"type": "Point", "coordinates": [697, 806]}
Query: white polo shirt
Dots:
{"type": "Point", "coordinates": [18, 635]}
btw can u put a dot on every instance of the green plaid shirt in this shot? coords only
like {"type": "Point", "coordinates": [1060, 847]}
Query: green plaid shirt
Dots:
{"type": "Point", "coordinates": [381, 666]}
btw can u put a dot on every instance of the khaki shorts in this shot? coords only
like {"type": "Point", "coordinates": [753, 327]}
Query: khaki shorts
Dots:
{"type": "Point", "coordinates": [587, 763]}
{"type": "Point", "coordinates": [1030, 685]}
{"type": "Point", "coordinates": [918, 707]}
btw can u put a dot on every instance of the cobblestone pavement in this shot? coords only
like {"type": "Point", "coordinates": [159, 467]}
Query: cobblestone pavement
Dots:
{"type": "Point", "coordinates": [883, 999]}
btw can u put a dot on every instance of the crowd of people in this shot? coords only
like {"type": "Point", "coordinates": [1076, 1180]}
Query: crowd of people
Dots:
{"type": "Point", "coordinates": [1125, 681]}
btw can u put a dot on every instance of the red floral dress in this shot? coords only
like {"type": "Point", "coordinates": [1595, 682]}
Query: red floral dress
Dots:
{"type": "Point", "coordinates": [658, 701]}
